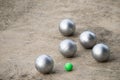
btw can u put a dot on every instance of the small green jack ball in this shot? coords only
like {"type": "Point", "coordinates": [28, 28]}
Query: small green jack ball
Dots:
{"type": "Point", "coordinates": [68, 66]}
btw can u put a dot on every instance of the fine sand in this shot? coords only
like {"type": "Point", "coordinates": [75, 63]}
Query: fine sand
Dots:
{"type": "Point", "coordinates": [29, 28]}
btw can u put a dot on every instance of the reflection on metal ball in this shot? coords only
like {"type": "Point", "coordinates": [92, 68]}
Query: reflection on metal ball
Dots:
{"type": "Point", "coordinates": [67, 27]}
{"type": "Point", "coordinates": [101, 52]}
{"type": "Point", "coordinates": [68, 48]}
{"type": "Point", "coordinates": [87, 39]}
{"type": "Point", "coordinates": [44, 64]}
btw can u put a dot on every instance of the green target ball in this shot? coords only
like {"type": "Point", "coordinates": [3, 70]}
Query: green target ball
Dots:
{"type": "Point", "coordinates": [68, 66]}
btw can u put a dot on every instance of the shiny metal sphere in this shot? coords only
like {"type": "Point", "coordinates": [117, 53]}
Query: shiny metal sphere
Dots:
{"type": "Point", "coordinates": [87, 39]}
{"type": "Point", "coordinates": [67, 27]}
{"type": "Point", "coordinates": [101, 52]}
{"type": "Point", "coordinates": [68, 48]}
{"type": "Point", "coordinates": [44, 64]}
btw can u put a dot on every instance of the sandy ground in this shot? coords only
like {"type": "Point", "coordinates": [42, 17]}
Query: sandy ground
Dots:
{"type": "Point", "coordinates": [29, 28]}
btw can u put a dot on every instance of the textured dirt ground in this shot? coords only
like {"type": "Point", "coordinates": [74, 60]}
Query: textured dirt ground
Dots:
{"type": "Point", "coordinates": [29, 28]}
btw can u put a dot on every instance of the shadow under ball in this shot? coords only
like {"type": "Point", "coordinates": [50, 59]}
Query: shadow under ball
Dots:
{"type": "Point", "coordinates": [101, 52]}
{"type": "Point", "coordinates": [44, 64]}
{"type": "Point", "coordinates": [68, 48]}
{"type": "Point", "coordinates": [67, 27]}
{"type": "Point", "coordinates": [87, 39]}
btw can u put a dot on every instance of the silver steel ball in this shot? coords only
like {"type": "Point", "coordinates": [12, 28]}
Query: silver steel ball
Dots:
{"type": "Point", "coordinates": [67, 27]}
{"type": "Point", "coordinates": [87, 39]}
{"type": "Point", "coordinates": [101, 52]}
{"type": "Point", "coordinates": [44, 64]}
{"type": "Point", "coordinates": [68, 48]}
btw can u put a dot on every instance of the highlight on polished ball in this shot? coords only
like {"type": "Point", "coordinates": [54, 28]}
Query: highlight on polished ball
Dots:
{"type": "Point", "coordinates": [67, 27]}
{"type": "Point", "coordinates": [44, 64]}
{"type": "Point", "coordinates": [68, 48]}
{"type": "Point", "coordinates": [101, 52]}
{"type": "Point", "coordinates": [87, 39]}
